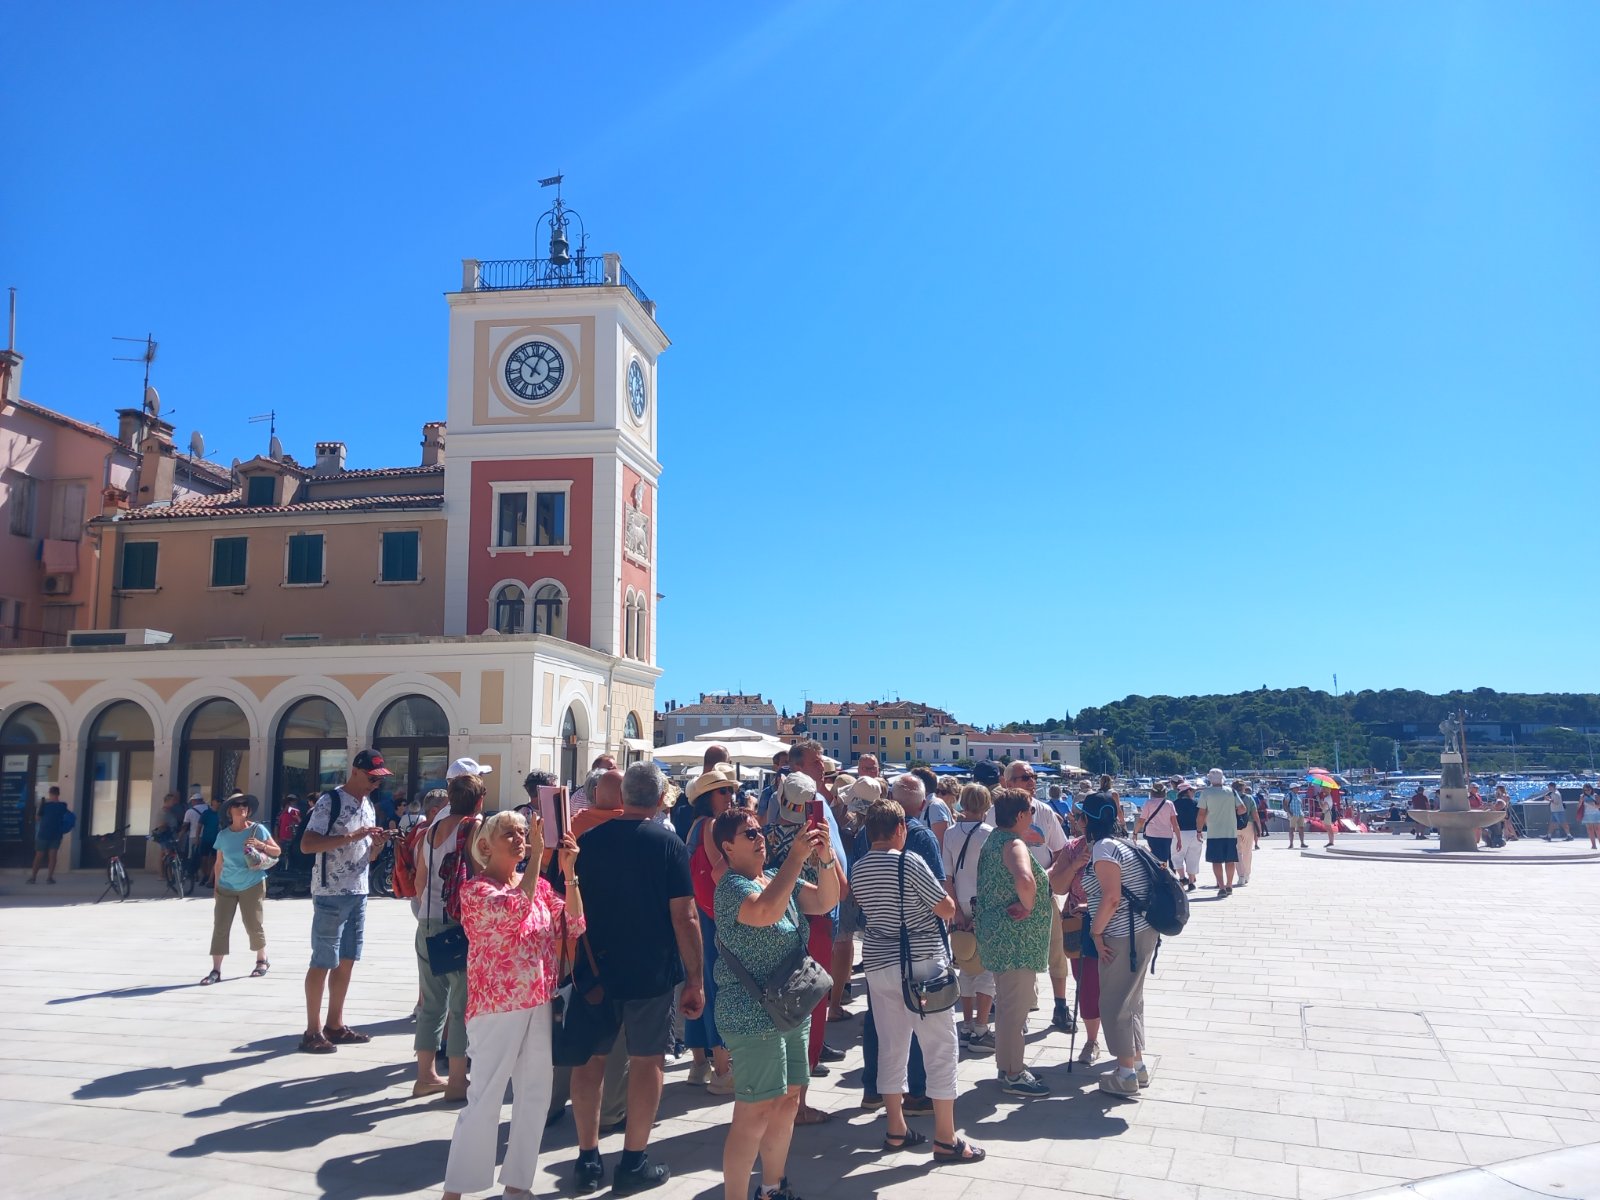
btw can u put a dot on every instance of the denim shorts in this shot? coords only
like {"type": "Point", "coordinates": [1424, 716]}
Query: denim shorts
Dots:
{"type": "Point", "coordinates": [338, 924]}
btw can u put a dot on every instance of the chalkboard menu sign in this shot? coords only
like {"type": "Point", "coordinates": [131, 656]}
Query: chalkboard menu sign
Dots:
{"type": "Point", "coordinates": [13, 797]}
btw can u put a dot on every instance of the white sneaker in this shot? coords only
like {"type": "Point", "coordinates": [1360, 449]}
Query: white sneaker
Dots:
{"type": "Point", "coordinates": [1119, 1084]}
{"type": "Point", "coordinates": [720, 1085]}
{"type": "Point", "coordinates": [698, 1074]}
{"type": "Point", "coordinates": [1086, 1055]}
{"type": "Point", "coordinates": [1142, 1074]}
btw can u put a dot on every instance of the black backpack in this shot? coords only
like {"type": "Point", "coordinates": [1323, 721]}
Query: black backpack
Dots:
{"type": "Point", "coordinates": [335, 801]}
{"type": "Point", "coordinates": [1166, 905]}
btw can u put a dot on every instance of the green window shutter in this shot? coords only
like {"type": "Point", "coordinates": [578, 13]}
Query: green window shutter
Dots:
{"type": "Point", "coordinates": [139, 566]}
{"type": "Point", "coordinates": [400, 556]}
{"type": "Point", "coordinates": [228, 557]}
{"type": "Point", "coordinates": [305, 558]}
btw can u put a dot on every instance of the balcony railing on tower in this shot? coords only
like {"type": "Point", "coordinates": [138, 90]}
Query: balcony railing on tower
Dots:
{"type": "Point", "coordinates": [512, 274]}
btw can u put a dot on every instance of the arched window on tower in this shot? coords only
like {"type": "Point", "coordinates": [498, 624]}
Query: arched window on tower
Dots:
{"type": "Point", "coordinates": [641, 647]}
{"type": "Point", "coordinates": [510, 609]}
{"type": "Point", "coordinates": [630, 629]}
{"type": "Point", "coordinates": [550, 610]}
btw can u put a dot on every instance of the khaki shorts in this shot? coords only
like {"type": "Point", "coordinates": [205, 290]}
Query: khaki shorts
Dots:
{"type": "Point", "coordinates": [1060, 965]}
{"type": "Point", "coordinates": [1297, 824]}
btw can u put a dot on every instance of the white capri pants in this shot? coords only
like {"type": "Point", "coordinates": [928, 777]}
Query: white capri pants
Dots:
{"type": "Point", "coordinates": [936, 1033]}
{"type": "Point", "coordinates": [514, 1047]}
{"type": "Point", "coordinates": [1187, 861]}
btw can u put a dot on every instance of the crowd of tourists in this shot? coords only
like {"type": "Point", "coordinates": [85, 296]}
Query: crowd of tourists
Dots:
{"type": "Point", "coordinates": [735, 937]}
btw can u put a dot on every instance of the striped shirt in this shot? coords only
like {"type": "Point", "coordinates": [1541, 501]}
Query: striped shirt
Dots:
{"type": "Point", "coordinates": [1133, 878]}
{"type": "Point", "coordinates": [875, 886]}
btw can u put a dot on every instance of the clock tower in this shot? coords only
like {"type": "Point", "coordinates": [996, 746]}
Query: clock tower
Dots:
{"type": "Point", "coordinates": [550, 466]}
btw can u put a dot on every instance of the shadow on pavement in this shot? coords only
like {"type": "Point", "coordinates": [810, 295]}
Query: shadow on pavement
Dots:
{"type": "Point", "coordinates": [127, 993]}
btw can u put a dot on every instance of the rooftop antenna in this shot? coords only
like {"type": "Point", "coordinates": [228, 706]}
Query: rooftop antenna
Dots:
{"type": "Point", "coordinates": [11, 336]}
{"type": "Point", "coordinates": [274, 446]}
{"type": "Point", "coordinates": [150, 406]}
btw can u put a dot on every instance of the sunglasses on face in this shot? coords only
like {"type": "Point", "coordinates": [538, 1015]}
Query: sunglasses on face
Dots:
{"type": "Point", "coordinates": [751, 832]}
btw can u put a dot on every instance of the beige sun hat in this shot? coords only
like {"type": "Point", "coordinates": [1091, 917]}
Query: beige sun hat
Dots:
{"type": "Point", "coordinates": [964, 950]}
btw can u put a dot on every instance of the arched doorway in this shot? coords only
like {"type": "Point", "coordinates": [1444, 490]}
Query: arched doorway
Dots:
{"type": "Point", "coordinates": [215, 752]}
{"type": "Point", "coordinates": [30, 761]}
{"type": "Point", "coordinates": [414, 738]}
{"type": "Point", "coordinates": [121, 760]}
{"type": "Point", "coordinates": [569, 749]}
{"type": "Point", "coordinates": [631, 737]}
{"type": "Point", "coordinates": [313, 752]}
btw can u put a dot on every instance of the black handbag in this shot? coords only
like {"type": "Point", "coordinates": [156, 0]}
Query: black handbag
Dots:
{"type": "Point", "coordinates": [794, 989]}
{"type": "Point", "coordinates": [447, 950]}
{"type": "Point", "coordinates": [582, 1014]}
{"type": "Point", "coordinates": [924, 996]}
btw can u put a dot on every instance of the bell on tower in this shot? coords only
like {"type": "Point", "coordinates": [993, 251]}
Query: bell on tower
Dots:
{"type": "Point", "coordinates": [562, 266]}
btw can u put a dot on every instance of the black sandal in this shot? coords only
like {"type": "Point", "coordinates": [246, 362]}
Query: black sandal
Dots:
{"type": "Point", "coordinates": [962, 1153]}
{"type": "Point", "coordinates": [262, 967]}
{"type": "Point", "coordinates": [904, 1141]}
{"type": "Point", "coordinates": [214, 977]}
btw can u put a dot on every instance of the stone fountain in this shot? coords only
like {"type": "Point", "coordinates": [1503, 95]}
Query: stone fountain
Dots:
{"type": "Point", "coordinates": [1457, 822]}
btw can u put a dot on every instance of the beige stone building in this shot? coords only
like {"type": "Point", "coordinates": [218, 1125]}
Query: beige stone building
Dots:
{"type": "Point", "coordinates": [495, 599]}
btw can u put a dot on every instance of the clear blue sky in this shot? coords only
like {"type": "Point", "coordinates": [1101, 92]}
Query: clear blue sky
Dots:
{"type": "Point", "coordinates": [1025, 355]}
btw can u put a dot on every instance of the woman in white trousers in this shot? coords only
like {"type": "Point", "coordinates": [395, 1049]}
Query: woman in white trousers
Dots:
{"type": "Point", "coordinates": [514, 925]}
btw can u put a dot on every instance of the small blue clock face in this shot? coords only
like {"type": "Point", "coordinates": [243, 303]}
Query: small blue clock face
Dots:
{"type": "Point", "coordinates": [636, 396]}
{"type": "Point", "coordinates": [534, 370]}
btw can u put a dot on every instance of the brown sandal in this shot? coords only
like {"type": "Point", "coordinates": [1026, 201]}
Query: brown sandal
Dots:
{"type": "Point", "coordinates": [343, 1035]}
{"type": "Point", "coordinates": [315, 1043]}
{"type": "Point", "coordinates": [806, 1115]}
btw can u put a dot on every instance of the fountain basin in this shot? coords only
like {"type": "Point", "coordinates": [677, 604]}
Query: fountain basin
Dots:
{"type": "Point", "coordinates": [1457, 827]}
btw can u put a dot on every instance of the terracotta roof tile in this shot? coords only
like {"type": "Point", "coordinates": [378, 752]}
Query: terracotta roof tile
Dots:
{"type": "Point", "coordinates": [228, 505]}
{"type": "Point", "coordinates": [381, 473]}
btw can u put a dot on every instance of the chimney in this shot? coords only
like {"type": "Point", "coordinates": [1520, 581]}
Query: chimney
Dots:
{"type": "Point", "coordinates": [113, 500]}
{"type": "Point", "coordinates": [330, 458]}
{"type": "Point", "coordinates": [129, 421]}
{"type": "Point", "coordinates": [432, 443]}
{"type": "Point", "coordinates": [157, 465]}
{"type": "Point", "coordinates": [11, 361]}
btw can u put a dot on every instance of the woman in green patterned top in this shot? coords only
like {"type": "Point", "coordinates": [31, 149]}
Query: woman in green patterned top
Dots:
{"type": "Point", "coordinates": [759, 924]}
{"type": "Point", "coordinates": [1012, 921]}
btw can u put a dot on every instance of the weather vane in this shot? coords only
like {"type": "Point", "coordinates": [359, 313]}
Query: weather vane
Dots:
{"type": "Point", "coordinates": [562, 265]}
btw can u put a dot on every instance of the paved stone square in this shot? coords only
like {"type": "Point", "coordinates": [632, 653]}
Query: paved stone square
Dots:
{"type": "Point", "coordinates": [1335, 1028]}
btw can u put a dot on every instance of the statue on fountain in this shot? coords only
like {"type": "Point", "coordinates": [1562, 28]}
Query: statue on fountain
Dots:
{"type": "Point", "coordinates": [1456, 820]}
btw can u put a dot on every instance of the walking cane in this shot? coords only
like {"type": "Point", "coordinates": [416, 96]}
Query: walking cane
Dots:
{"type": "Point", "coordinates": [1072, 1044]}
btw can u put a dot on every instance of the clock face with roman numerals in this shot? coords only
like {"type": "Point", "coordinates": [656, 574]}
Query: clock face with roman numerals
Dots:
{"type": "Point", "coordinates": [534, 370]}
{"type": "Point", "coordinates": [636, 392]}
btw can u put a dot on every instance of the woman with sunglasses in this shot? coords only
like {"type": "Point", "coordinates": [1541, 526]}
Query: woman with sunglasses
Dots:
{"type": "Point", "coordinates": [515, 922]}
{"type": "Point", "coordinates": [712, 793]}
{"type": "Point", "coordinates": [759, 921]}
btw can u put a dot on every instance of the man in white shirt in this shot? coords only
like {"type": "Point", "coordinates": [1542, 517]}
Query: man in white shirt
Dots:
{"type": "Point", "coordinates": [1045, 839]}
{"type": "Point", "coordinates": [1558, 813]}
{"type": "Point", "coordinates": [342, 833]}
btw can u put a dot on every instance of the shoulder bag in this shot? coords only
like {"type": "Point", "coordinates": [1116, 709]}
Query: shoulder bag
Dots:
{"type": "Point", "coordinates": [793, 991]}
{"type": "Point", "coordinates": [924, 996]}
{"type": "Point", "coordinates": [447, 949]}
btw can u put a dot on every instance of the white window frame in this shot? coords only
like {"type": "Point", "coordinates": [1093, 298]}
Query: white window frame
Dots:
{"type": "Point", "coordinates": [294, 533]}
{"type": "Point", "coordinates": [531, 488]}
{"type": "Point", "coordinates": [527, 603]}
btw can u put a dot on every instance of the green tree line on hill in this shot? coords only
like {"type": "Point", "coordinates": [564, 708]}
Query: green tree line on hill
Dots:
{"type": "Point", "coordinates": [1292, 728]}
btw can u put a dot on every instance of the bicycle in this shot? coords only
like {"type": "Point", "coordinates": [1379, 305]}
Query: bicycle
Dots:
{"type": "Point", "coordinates": [175, 870]}
{"type": "Point", "coordinates": [113, 845]}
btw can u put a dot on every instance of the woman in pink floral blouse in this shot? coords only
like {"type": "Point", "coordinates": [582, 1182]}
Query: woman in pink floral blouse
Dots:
{"type": "Point", "coordinates": [514, 927]}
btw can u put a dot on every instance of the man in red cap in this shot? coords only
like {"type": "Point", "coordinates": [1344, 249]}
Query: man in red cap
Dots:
{"type": "Point", "coordinates": [341, 831]}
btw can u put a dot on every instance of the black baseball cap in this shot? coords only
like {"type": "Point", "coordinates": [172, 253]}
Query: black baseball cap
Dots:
{"type": "Point", "coordinates": [987, 773]}
{"type": "Point", "coordinates": [371, 762]}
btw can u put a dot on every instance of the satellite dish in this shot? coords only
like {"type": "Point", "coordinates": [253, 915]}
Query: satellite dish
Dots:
{"type": "Point", "coordinates": [197, 444]}
{"type": "Point", "coordinates": [152, 401]}
{"type": "Point", "coordinates": [275, 449]}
